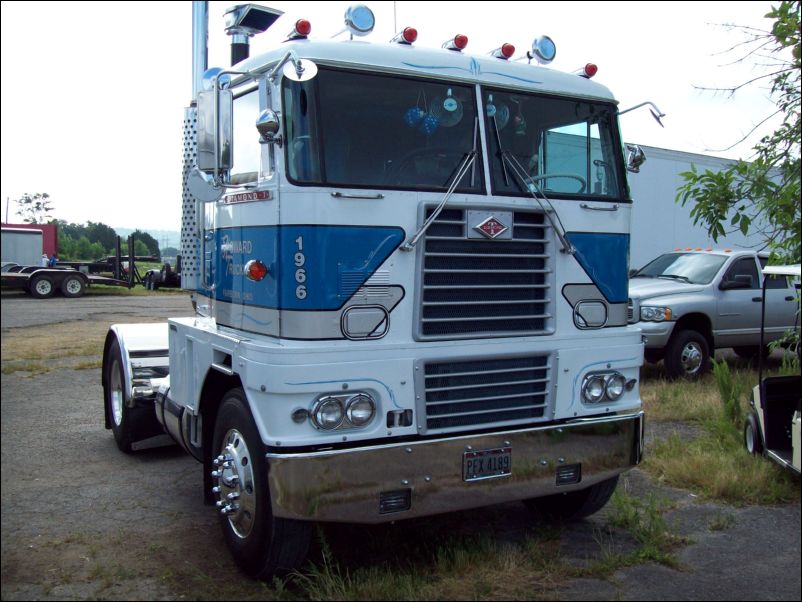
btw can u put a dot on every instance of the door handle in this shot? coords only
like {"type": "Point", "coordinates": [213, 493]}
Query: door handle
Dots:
{"type": "Point", "coordinates": [756, 299]}
{"type": "Point", "coordinates": [789, 298]}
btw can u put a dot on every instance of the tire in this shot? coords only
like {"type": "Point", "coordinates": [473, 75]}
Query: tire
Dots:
{"type": "Point", "coordinates": [573, 505]}
{"type": "Point", "coordinates": [687, 355]}
{"type": "Point", "coordinates": [261, 544]}
{"type": "Point", "coordinates": [129, 424]}
{"type": "Point", "coordinates": [73, 286]}
{"type": "Point", "coordinates": [41, 286]}
{"type": "Point", "coordinates": [753, 438]}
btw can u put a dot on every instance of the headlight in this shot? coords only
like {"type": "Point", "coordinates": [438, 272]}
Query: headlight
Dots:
{"type": "Point", "coordinates": [328, 413]}
{"type": "Point", "coordinates": [361, 409]}
{"type": "Point", "coordinates": [593, 388]}
{"type": "Point", "coordinates": [604, 386]}
{"type": "Point", "coordinates": [340, 411]}
{"type": "Point", "coordinates": [655, 314]}
{"type": "Point", "coordinates": [615, 386]}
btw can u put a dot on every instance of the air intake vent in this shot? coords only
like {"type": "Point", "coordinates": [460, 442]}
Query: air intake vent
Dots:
{"type": "Point", "coordinates": [477, 286]}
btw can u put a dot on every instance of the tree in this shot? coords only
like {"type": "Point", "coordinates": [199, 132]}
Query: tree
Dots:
{"type": "Point", "coordinates": [103, 234]}
{"type": "Point", "coordinates": [34, 208]}
{"type": "Point", "coordinates": [763, 194]}
{"type": "Point", "coordinates": [151, 243]}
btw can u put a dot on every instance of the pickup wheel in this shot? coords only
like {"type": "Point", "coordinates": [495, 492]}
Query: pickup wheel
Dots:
{"type": "Point", "coordinates": [73, 286]}
{"type": "Point", "coordinates": [574, 505]}
{"type": "Point", "coordinates": [753, 440]}
{"type": "Point", "coordinates": [41, 286]}
{"type": "Point", "coordinates": [261, 544]}
{"type": "Point", "coordinates": [687, 355]}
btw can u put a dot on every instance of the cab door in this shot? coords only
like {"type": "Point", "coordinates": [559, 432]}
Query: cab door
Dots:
{"type": "Point", "coordinates": [738, 305]}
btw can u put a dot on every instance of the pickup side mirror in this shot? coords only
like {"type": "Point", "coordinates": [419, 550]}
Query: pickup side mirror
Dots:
{"type": "Point", "coordinates": [741, 281]}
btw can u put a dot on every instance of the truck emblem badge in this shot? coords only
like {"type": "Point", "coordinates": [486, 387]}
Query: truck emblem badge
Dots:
{"type": "Point", "coordinates": [491, 227]}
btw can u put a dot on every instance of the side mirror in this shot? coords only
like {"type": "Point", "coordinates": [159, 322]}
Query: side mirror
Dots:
{"type": "Point", "coordinates": [635, 158]}
{"type": "Point", "coordinates": [268, 126]}
{"type": "Point", "coordinates": [741, 281]}
{"type": "Point", "coordinates": [215, 131]}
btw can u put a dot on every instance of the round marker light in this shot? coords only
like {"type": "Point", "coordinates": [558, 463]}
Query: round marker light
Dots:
{"type": "Point", "coordinates": [593, 388]}
{"type": "Point", "coordinates": [410, 34]}
{"type": "Point", "coordinates": [328, 413]}
{"type": "Point", "coordinates": [255, 270]}
{"type": "Point", "coordinates": [616, 383]}
{"type": "Point", "coordinates": [507, 50]}
{"type": "Point", "coordinates": [303, 27]}
{"type": "Point", "coordinates": [591, 70]}
{"type": "Point", "coordinates": [361, 409]}
{"type": "Point", "coordinates": [460, 41]}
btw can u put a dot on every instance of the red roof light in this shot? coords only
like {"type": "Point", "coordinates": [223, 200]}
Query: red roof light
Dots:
{"type": "Point", "coordinates": [303, 27]}
{"type": "Point", "coordinates": [460, 41]}
{"type": "Point", "coordinates": [410, 34]}
{"type": "Point", "coordinates": [507, 50]}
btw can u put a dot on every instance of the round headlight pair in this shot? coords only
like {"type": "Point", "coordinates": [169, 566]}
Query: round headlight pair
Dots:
{"type": "Point", "coordinates": [597, 386]}
{"type": "Point", "coordinates": [343, 411]}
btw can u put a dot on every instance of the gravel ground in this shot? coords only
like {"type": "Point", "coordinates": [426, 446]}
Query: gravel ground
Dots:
{"type": "Point", "coordinates": [82, 521]}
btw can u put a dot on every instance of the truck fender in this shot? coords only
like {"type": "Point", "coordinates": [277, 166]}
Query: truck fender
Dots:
{"type": "Point", "coordinates": [143, 347]}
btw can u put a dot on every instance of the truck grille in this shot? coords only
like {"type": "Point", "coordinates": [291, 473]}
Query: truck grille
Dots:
{"type": "Point", "coordinates": [487, 392]}
{"type": "Point", "coordinates": [475, 287]}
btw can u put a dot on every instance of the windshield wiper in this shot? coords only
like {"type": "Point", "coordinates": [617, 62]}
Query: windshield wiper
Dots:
{"type": "Point", "coordinates": [529, 184]}
{"type": "Point", "coordinates": [461, 171]}
{"type": "Point", "coordinates": [676, 277]}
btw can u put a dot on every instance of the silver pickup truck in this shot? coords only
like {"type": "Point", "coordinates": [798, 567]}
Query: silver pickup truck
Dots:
{"type": "Point", "coordinates": [688, 303]}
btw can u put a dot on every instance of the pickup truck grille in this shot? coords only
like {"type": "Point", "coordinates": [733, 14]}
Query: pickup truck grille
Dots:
{"type": "Point", "coordinates": [476, 287]}
{"type": "Point", "coordinates": [487, 392]}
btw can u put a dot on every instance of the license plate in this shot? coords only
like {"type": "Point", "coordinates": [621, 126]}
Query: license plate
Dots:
{"type": "Point", "coordinates": [487, 464]}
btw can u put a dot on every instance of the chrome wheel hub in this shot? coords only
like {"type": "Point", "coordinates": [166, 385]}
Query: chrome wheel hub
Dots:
{"type": "Point", "coordinates": [235, 488]}
{"type": "Point", "coordinates": [691, 358]}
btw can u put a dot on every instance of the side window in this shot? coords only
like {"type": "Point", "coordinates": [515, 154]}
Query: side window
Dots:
{"type": "Point", "coordinates": [774, 282]}
{"type": "Point", "coordinates": [247, 151]}
{"type": "Point", "coordinates": [742, 269]}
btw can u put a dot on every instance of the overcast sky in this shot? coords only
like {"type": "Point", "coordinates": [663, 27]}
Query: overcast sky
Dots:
{"type": "Point", "coordinates": [93, 93]}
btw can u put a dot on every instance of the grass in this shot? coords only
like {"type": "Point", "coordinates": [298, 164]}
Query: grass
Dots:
{"type": "Point", "coordinates": [714, 465]}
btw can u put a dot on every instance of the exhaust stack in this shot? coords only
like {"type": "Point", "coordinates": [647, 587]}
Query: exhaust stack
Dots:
{"type": "Point", "coordinates": [244, 21]}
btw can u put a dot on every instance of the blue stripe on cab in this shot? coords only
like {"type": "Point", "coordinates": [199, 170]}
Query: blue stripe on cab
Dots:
{"type": "Point", "coordinates": [605, 258]}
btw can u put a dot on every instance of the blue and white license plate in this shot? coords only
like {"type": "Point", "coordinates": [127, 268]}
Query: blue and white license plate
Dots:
{"type": "Point", "coordinates": [487, 464]}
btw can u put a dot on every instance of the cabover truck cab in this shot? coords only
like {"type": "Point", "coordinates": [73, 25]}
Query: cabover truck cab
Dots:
{"type": "Point", "coordinates": [410, 270]}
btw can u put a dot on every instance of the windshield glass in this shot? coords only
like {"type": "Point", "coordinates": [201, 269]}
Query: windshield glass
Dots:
{"type": "Point", "coordinates": [567, 147]}
{"type": "Point", "coordinates": [694, 268]}
{"type": "Point", "coordinates": [377, 131]}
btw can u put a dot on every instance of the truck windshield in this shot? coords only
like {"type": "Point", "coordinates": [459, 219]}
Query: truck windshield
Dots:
{"type": "Point", "coordinates": [693, 268]}
{"type": "Point", "coordinates": [566, 147]}
{"type": "Point", "coordinates": [375, 131]}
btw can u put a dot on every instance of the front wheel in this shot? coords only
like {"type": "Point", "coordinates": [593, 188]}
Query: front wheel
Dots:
{"type": "Point", "coordinates": [753, 441]}
{"type": "Point", "coordinates": [687, 355]}
{"type": "Point", "coordinates": [261, 544]}
{"type": "Point", "coordinates": [574, 505]}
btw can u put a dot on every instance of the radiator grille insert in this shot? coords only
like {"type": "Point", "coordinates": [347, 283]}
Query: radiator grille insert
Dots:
{"type": "Point", "coordinates": [475, 287]}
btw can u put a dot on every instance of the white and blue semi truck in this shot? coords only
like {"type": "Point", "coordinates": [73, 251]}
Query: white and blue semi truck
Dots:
{"type": "Point", "coordinates": [410, 268]}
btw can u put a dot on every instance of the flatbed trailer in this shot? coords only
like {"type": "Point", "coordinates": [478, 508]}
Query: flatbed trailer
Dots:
{"type": "Point", "coordinates": [41, 282]}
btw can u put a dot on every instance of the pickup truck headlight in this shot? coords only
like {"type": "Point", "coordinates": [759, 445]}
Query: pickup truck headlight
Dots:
{"type": "Point", "coordinates": [655, 314]}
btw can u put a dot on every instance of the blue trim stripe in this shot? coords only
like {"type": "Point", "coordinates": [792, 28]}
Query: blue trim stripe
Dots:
{"type": "Point", "coordinates": [605, 259]}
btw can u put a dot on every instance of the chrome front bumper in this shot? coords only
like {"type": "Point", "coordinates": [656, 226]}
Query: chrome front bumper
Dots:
{"type": "Point", "coordinates": [347, 485]}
